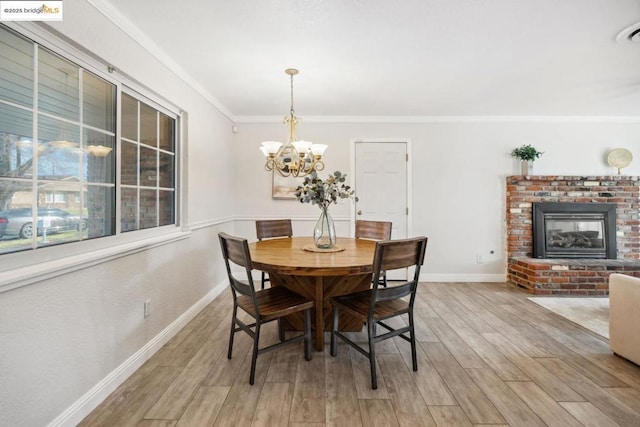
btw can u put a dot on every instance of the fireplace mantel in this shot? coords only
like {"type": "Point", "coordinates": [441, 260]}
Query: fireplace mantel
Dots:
{"type": "Point", "coordinates": [523, 191]}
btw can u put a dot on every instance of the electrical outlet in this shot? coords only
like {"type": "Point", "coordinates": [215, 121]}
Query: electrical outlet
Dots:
{"type": "Point", "coordinates": [479, 259]}
{"type": "Point", "coordinates": [147, 308]}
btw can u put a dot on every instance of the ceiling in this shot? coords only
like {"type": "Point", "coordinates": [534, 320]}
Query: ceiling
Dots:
{"type": "Point", "coordinates": [394, 59]}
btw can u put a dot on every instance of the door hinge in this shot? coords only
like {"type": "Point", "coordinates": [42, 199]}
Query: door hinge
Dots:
{"type": "Point", "coordinates": [407, 157]}
{"type": "Point", "coordinates": [407, 211]}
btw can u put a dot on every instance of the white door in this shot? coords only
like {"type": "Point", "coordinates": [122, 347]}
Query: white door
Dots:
{"type": "Point", "coordinates": [381, 185]}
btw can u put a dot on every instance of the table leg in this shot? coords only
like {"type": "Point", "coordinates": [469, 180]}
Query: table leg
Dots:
{"type": "Point", "coordinates": [319, 319]}
{"type": "Point", "coordinates": [320, 289]}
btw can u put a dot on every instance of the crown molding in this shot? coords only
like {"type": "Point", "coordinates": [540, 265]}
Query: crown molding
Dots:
{"type": "Point", "coordinates": [130, 29]}
{"type": "Point", "coordinates": [445, 119]}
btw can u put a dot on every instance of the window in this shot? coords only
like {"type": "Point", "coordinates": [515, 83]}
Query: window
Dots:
{"type": "Point", "coordinates": [147, 166]}
{"type": "Point", "coordinates": [59, 149]}
{"type": "Point", "coordinates": [55, 198]}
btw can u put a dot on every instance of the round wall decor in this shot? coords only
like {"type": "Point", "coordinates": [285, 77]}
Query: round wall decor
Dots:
{"type": "Point", "coordinates": [619, 158]}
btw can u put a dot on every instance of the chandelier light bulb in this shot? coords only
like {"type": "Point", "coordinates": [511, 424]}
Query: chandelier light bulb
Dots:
{"type": "Point", "coordinates": [302, 147]}
{"type": "Point", "coordinates": [270, 147]}
{"type": "Point", "coordinates": [318, 149]}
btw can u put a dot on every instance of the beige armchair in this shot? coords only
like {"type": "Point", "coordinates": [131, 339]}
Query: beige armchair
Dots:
{"type": "Point", "coordinates": [624, 316]}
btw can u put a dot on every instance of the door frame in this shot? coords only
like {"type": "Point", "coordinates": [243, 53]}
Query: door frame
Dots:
{"type": "Point", "coordinates": [407, 142]}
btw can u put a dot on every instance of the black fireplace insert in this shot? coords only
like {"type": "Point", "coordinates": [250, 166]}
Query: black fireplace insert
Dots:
{"type": "Point", "coordinates": [574, 230]}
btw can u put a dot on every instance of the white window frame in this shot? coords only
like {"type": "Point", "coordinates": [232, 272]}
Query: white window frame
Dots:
{"type": "Point", "coordinates": [32, 266]}
{"type": "Point", "coordinates": [56, 197]}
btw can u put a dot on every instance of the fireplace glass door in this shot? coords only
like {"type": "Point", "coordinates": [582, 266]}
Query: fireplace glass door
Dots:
{"type": "Point", "coordinates": [576, 234]}
{"type": "Point", "coordinates": [574, 230]}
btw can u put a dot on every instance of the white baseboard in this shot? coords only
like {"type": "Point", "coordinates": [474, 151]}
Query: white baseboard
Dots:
{"type": "Point", "coordinates": [98, 393]}
{"type": "Point", "coordinates": [450, 278]}
{"type": "Point", "coordinates": [463, 277]}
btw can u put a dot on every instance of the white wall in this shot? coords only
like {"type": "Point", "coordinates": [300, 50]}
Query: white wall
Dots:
{"type": "Point", "coordinates": [458, 181]}
{"type": "Point", "coordinates": [60, 338]}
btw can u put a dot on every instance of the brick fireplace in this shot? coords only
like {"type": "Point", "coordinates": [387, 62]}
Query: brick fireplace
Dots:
{"type": "Point", "coordinates": [570, 276]}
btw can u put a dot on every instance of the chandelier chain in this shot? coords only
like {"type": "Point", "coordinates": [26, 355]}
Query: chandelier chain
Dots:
{"type": "Point", "coordinates": [292, 110]}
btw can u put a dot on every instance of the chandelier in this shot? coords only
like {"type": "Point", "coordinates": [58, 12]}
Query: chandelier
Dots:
{"type": "Point", "coordinates": [295, 157]}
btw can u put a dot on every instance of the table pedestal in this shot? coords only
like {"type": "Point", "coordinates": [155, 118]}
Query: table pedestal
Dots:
{"type": "Point", "coordinates": [320, 289]}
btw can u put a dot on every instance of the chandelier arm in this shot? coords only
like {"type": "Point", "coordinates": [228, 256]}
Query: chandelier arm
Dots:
{"type": "Point", "coordinates": [270, 164]}
{"type": "Point", "coordinates": [282, 173]}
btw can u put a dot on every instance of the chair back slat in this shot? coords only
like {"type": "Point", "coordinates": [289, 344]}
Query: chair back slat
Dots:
{"type": "Point", "coordinates": [273, 228]}
{"type": "Point", "coordinates": [395, 254]}
{"type": "Point", "coordinates": [236, 250]}
{"type": "Point", "coordinates": [240, 287]}
{"type": "Point", "coordinates": [375, 230]}
{"type": "Point", "coordinates": [236, 253]}
{"type": "Point", "coordinates": [394, 292]}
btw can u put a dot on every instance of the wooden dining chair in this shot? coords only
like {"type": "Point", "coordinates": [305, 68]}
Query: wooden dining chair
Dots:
{"type": "Point", "coordinates": [375, 230]}
{"type": "Point", "coordinates": [264, 305]}
{"type": "Point", "coordinates": [376, 305]}
{"type": "Point", "coordinates": [272, 228]}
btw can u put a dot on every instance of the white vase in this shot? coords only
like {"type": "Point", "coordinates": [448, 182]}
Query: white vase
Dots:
{"type": "Point", "coordinates": [526, 167]}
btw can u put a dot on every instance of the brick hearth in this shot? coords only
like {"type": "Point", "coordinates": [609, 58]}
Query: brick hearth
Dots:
{"type": "Point", "coordinates": [570, 276]}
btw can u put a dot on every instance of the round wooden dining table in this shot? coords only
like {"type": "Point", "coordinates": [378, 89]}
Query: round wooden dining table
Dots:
{"type": "Point", "coordinates": [317, 275]}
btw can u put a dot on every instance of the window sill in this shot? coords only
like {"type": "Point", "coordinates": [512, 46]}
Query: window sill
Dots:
{"type": "Point", "coordinates": [27, 275]}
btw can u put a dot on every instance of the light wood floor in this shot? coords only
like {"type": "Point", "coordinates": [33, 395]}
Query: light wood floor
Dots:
{"type": "Point", "coordinates": [486, 356]}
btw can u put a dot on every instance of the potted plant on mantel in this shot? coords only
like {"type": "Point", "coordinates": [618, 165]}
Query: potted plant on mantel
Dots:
{"type": "Point", "coordinates": [527, 154]}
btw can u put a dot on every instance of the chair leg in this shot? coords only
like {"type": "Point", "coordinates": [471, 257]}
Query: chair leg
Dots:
{"type": "Point", "coordinates": [414, 357]}
{"type": "Point", "coordinates": [334, 328]}
{"type": "Point", "coordinates": [371, 327]}
{"type": "Point", "coordinates": [281, 329]}
{"type": "Point", "coordinates": [263, 280]}
{"type": "Point", "coordinates": [254, 356]}
{"type": "Point", "coordinates": [384, 279]}
{"type": "Point", "coordinates": [233, 327]}
{"type": "Point", "coordinates": [307, 334]}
